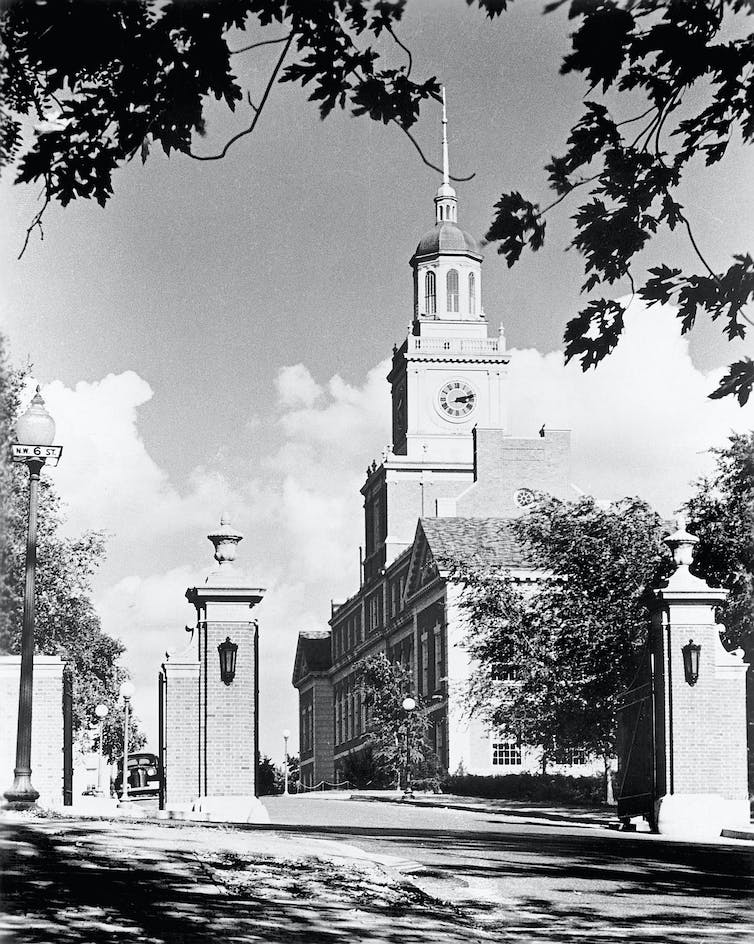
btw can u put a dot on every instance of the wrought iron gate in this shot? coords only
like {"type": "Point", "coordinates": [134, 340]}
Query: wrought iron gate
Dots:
{"type": "Point", "coordinates": [637, 760]}
{"type": "Point", "coordinates": [162, 688]}
{"type": "Point", "coordinates": [67, 736]}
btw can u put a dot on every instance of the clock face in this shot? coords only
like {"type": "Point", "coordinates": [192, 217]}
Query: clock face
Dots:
{"type": "Point", "coordinates": [456, 399]}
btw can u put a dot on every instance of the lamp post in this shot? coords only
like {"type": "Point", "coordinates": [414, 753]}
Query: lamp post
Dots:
{"type": "Point", "coordinates": [101, 712]}
{"type": "Point", "coordinates": [35, 431]}
{"type": "Point", "coordinates": [127, 692]}
{"type": "Point", "coordinates": [286, 735]}
{"type": "Point", "coordinates": [408, 705]}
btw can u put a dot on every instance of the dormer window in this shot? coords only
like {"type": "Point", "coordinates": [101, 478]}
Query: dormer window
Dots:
{"type": "Point", "coordinates": [430, 293]}
{"type": "Point", "coordinates": [451, 284]}
{"type": "Point", "coordinates": [472, 294]}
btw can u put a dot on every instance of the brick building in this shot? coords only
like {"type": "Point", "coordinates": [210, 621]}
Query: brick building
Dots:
{"type": "Point", "coordinates": [443, 494]}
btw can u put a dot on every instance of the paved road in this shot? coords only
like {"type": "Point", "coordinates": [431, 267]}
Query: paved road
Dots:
{"type": "Point", "coordinates": [507, 880]}
{"type": "Point", "coordinates": [553, 883]}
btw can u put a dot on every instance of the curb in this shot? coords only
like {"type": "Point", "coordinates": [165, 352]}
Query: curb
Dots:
{"type": "Point", "coordinates": [743, 832]}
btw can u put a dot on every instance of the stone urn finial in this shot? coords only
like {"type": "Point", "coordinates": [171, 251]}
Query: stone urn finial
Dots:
{"type": "Point", "coordinates": [681, 544]}
{"type": "Point", "coordinates": [225, 540]}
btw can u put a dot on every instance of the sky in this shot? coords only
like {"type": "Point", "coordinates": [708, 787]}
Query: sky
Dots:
{"type": "Point", "coordinates": [217, 337]}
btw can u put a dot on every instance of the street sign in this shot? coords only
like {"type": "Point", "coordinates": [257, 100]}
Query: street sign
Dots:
{"type": "Point", "coordinates": [22, 453]}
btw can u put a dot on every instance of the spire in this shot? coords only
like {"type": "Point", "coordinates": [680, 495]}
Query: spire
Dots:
{"type": "Point", "coordinates": [445, 198]}
{"type": "Point", "coordinates": [445, 162]}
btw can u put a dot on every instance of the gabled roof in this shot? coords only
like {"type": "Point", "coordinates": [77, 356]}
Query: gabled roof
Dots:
{"type": "Point", "coordinates": [479, 542]}
{"type": "Point", "coordinates": [312, 654]}
{"type": "Point", "coordinates": [442, 544]}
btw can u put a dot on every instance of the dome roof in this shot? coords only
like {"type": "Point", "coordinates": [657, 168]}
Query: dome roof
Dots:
{"type": "Point", "coordinates": [446, 237]}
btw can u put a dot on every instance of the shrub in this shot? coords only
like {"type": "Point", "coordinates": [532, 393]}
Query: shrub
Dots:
{"type": "Point", "coordinates": [584, 791]}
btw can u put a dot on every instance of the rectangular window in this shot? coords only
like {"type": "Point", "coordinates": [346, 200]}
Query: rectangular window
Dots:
{"type": "Point", "coordinates": [430, 293]}
{"type": "Point", "coordinates": [375, 611]}
{"type": "Point", "coordinates": [504, 672]}
{"type": "Point", "coordinates": [439, 673]}
{"type": "Point", "coordinates": [575, 757]}
{"type": "Point", "coordinates": [506, 754]}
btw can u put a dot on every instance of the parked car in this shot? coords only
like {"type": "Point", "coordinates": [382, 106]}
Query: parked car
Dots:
{"type": "Point", "coordinates": [143, 776]}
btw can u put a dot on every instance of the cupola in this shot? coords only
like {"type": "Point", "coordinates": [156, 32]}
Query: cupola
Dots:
{"type": "Point", "coordinates": [447, 261]}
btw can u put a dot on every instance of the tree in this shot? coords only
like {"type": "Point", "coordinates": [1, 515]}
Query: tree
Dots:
{"type": "Point", "coordinates": [66, 622]}
{"type": "Point", "coordinates": [294, 772]}
{"type": "Point", "coordinates": [648, 54]}
{"type": "Point", "coordinates": [270, 777]}
{"type": "Point", "coordinates": [721, 515]}
{"type": "Point", "coordinates": [552, 662]}
{"type": "Point", "coordinates": [397, 737]}
{"type": "Point", "coordinates": [147, 80]}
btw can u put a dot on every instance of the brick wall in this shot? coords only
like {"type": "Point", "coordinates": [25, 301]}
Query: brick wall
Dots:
{"type": "Point", "coordinates": [324, 730]}
{"type": "Point", "coordinates": [227, 723]}
{"type": "Point", "coordinates": [708, 720]}
{"type": "Point", "coordinates": [46, 730]}
{"type": "Point", "coordinates": [503, 465]}
{"type": "Point", "coordinates": [181, 732]}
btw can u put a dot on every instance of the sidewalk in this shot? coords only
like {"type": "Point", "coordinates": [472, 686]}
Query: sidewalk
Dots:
{"type": "Point", "coordinates": [81, 881]}
{"type": "Point", "coordinates": [534, 812]}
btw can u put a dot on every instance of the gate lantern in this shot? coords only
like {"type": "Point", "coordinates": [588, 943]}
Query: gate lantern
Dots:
{"type": "Point", "coordinates": [691, 661]}
{"type": "Point", "coordinates": [228, 652]}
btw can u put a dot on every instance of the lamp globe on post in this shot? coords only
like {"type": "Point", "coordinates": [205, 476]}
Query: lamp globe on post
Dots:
{"type": "Point", "coordinates": [408, 704]}
{"type": "Point", "coordinates": [101, 711]}
{"type": "Point", "coordinates": [286, 735]}
{"type": "Point", "coordinates": [127, 690]}
{"type": "Point", "coordinates": [35, 433]}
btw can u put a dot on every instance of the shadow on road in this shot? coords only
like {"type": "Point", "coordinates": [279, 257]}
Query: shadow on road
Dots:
{"type": "Point", "coordinates": [565, 887]}
{"type": "Point", "coordinates": [89, 886]}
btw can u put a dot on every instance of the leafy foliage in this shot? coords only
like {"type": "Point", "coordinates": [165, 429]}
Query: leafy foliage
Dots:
{"type": "Point", "coordinates": [145, 81]}
{"type": "Point", "coordinates": [721, 514]}
{"type": "Point", "coordinates": [156, 63]}
{"type": "Point", "coordinates": [661, 50]}
{"type": "Point", "coordinates": [66, 622]}
{"type": "Point", "coordinates": [397, 736]}
{"type": "Point", "coordinates": [574, 640]}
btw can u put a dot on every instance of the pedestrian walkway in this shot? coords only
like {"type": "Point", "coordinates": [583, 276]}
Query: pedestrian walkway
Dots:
{"type": "Point", "coordinates": [539, 812]}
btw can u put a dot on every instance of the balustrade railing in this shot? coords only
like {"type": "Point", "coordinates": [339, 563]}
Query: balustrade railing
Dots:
{"type": "Point", "coordinates": [454, 345]}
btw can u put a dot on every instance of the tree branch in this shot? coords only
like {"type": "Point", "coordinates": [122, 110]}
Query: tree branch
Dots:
{"type": "Point", "coordinates": [37, 221]}
{"type": "Point", "coordinates": [697, 250]}
{"type": "Point", "coordinates": [629, 121]}
{"type": "Point", "coordinates": [580, 183]}
{"type": "Point", "coordinates": [429, 163]}
{"type": "Point", "coordinates": [257, 110]}
{"type": "Point", "coordinates": [264, 42]}
{"type": "Point", "coordinates": [404, 48]}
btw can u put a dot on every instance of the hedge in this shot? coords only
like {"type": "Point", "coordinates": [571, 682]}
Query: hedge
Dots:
{"type": "Point", "coordinates": [585, 791]}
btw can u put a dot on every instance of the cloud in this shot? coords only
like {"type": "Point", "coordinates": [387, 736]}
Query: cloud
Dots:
{"type": "Point", "coordinates": [642, 422]}
{"type": "Point", "coordinates": [296, 386]}
{"type": "Point", "coordinates": [107, 477]}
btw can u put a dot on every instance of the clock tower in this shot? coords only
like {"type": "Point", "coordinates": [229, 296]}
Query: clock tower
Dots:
{"type": "Point", "coordinates": [448, 376]}
{"type": "Point", "coordinates": [447, 379]}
